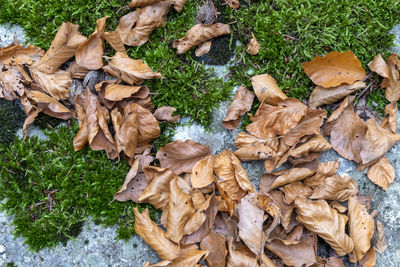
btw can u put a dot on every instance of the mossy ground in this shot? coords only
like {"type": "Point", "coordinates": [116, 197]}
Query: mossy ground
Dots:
{"type": "Point", "coordinates": [289, 32]}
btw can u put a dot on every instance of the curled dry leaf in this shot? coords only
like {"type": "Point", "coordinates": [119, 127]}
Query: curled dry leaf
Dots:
{"type": "Point", "coordinates": [226, 225]}
{"type": "Point", "coordinates": [17, 54]}
{"type": "Point", "coordinates": [239, 106]}
{"type": "Point", "coordinates": [62, 48]}
{"type": "Point", "coordinates": [132, 71]}
{"type": "Point", "coordinates": [381, 173]}
{"type": "Point", "coordinates": [295, 190]}
{"type": "Point", "coordinates": [12, 83]}
{"type": "Point", "coordinates": [81, 138]}
{"type": "Point", "coordinates": [336, 187]}
{"type": "Point", "coordinates": [380, 241]}
{"type": "Point", "coordinates": [203, 172]}
{"type": "Point", "coordinates": [239, 258]}
{"type": "Point", "coordinates": [115, 40]}
{"type": "Point", "coordinates": [361, 228]}
{"type": "Point", "coordinates": [198, 34]}
{"type": "Point", "coordinates": [154, 236]}
{"type": "Point", "coordinates": [49, 105]}
{"type": "Point", "coordinates": [324, 170]}
{"type": "Point", "coordinates": [253, 148]}
{"type": "Point", "coordinates": [390, 123]}
{"type": "Point", "coordinates": [323, 96]}
{"type": "Point", "coordinates": [319, 217]}
{"type": "Point", "coordinates": [369, 259]}
{"type": "Point", "coordinates": [267, 90]}
{"type": "Point", "coordinates": [203, 48]}
{"type": "Point", "coordinates": [253, 47]}
{"type": "Point", "coordinates": [233, 3]}
{"type": "Point", "coordinates": [215, 244]}
{"type": "Point", "coordinates": [147, 123]}
{"type": "Point", "coordinates": [56, 84]}
{"type": "Point", "coordinates": [286, 213]}
{"type": "Point", "coordinates": [197, 219]}
{"type": "Point", "coordinates": [334, 69]}
{"type": "Point", "coordinates": [291, 175]}
{"type": "Point", "coordinates": [142, 3]}
{"type": "Point", "coordinates": [164, 113]}
{"type": "Point", "coordinates": [189, 256]}
{"type": "Point", "coordinates": [125, 24]}
{"type": "Point", "coordinates": [181, 156]}
{"type": "Point", "coordinates": [392, 92]}
{"type": "Point", "coordinates": [379, 66]}
{"type": "Point", "coordinates": [337, 206]}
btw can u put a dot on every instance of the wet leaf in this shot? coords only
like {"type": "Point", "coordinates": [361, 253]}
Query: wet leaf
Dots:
{"type": "Point", "coordinates": [203, 49]}
{"type": "Point", "coordinates": [267, 90]}
{"type": "Point", "coordinates": [56, 84]}
{"type": "Point", "coordinates": [133, 186]}
{"type": "Point", "coordinates": [164, 113]}
{"type": "Point", "coordinates": [203, 172]}
{"type": "Point", "coordinates": [380, 242]}
{"type": "Point", "coordinates": [216, 245]}
{"type": "Point", "coordinates": [18, 54]}
{"type": "Point", "coordinates": [379, 66]}
{"type": "Point", "coordinates": [381, 173]}
{"type": "Point", "coordinates": [336, 187]}
{"type": "Point", "coordinates": [253, 47]}
{"type": "Point", "coordinates": [239, 106]}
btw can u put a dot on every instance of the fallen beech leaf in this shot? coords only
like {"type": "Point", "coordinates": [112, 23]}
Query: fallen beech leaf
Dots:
{"type": "Point", "coordinates": [379, 66]}
{"type": "Point", "coordinates": [197, 219]}
{"type": "Point", "coordinates": [253, 47]}
{"type": "Point", "coordinates": [117, 92]}
{"type": "Point", "coordinates": [62, 48]}
{"type": "Point", "coordinates": [291, 175]}
{"type": "Point", "coordinates": [189, 256]}
{"type": "Point", "coordinates": [132, 71]}
{"type": "Point", "coordinates": [390, 123]}
{"type": "Point", "coordinates": [29, 120]}
{"type": "Point", "coordinates": [154, 236]}
{"type": "Point", "coordinates": [251, 220]}
{"type": "Point", "coordinates": [142, 3]}
{"type": "Point", "coordinates": [266, 262]}
{"type": "Point", "coordinates": [253, 148]}
{"type": "Point", "coordinates": [215, 244]}
{"type": "Point", "coordinates": [17, 54]}
{"type": "Point", "coordinates": [239, 106]}
{"type": "Point", "coordinates": [50, 106]}
{"type": "Point", "coordinates": [380, 242]}
{"type": "Point", "coordinates": [392, 92]}
{"type": "Point", "coordinates": [381, 173]}
{"type": "Point", "coordinates": [267, 204]}
{"type": "Point", "coordinates": [164, 113]}
{"type": "Point", "coordinates": [226, 225]}
{"type": "Point", "coordinates": [81, 138]}
{"type": "Point", "coordinates": [238, 258]}
{"type": "Point", "coordinates": [334, 69]}
{"type": "Point", "coordinates": [180, 208]}
{"type": "Point", "coordinates": [334, 262]}
{"type": "Point", "coordinates": [133, 186]}
{"type": "Point", "coordinates": [336, 205]}
{"type": "Point", "coordinates": [325, 221]}
{"type": "Point", "coordinates": [11, 82]}
{"type": "Point", "coordinates": [295, 190]}
{"type": "Point", "coordinates": [336, 187]}
{"type": "Point", "coordinates": [233, 3]}
{"type": "Point", "coordinates": [287, 217]}
{"type": "Point", "coordinates": [178, 5]}
{"type": "Point", "coordinates": [369, 259]}
{"type": "Point", "coordinates": [147, 123]}
{"type": "Point", "coordinates": [203, 48]}
{"type": "Point", "coordinates": [181, 156]}
{"type": "Point", "coordinates": [325, 169]}
{"type": "Point", "coordinates": [361, 227]}
{"type": "Point", "coordinates": [203, 172]}
{"type": "Point", "coordinates": [267, 90]}
{"type": "Point", "coordinates": [323, 96]}
{"type": "Point", "coordinates": [126, 23]}
{"type": "Point", "coordinates": [115, 40]}
{"type": "Point", "coordinates": [198, 34]}
{"type": "Point", "coordinates": [56, 84]}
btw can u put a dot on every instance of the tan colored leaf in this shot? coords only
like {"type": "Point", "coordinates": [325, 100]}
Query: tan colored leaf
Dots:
{"type": "Point", "coordinates": [11, 83]}
{"type": "Point", "coordinates": [379, 66]}
{"type": "Point", "coordinates": [361, 227]}
{"type": "Point", "coordinates": [295, 190]}
{"type": "Point", "coordinates": [62, 48]}
{"type": "Point", "coordinates": [380, 242]}
{"type": "Point", "coordinates": [133, 186]}
{"type": "Point", "coordinates": [381, 173]}
{"type": "Point", "coordinates": [154, 236]}
{"type": "Point", "coordinates": [237, 258]}
{"type": "Point", "coordinates": [267, 90]}
{"type": "Point", "coordinates": [392, 92]}
{"type": "Point", "coordinates": [239, 106]}
{"type": "Point", "coordinates": [148, 124]}
{"type": "Point", "coordinates": [253, 47]}
{"type": "Point", "coordinates": [50, 106]}
{"type": "Point", "coordinates": [266, 262]}
{"type": "Point", "coordinates": [132, 71]}
{"type": "Point", "coordinates": [126, 23]}
{"type": "Point", "coordinates": [198, 34]}
{"type": "Point", "coordinates": [336, 205]}
{"type": "Point", "coordinates": [319, 217]}
{"type": "Point", "coordinates": [164, 113]}
{"type": "Point", "coordinates": [253, 148]}
{"type": "Point", "coordinates": [203, 172]}
{"type": "Point", "coordinates": [81, 138]}
{"type": "Point", "coordinates": [233, 3]}
{"type": "Point", "coordinates": [287, 217]}
{"type": "Point", "coordinates": [29, 120]}
{"type": "Point", "coordinates": [369, 259]}
{"type": "Point", "coordinates": [56, 84]}
{"type": "Point", "coordinates": [181, 156]}
{"type": "Point", "coordinates": [189, 256]}
{"type": "Point", "coordinates": [115, 40]}
{"type": "Point", "coordinates": [226, 225]}
{"type": "Point", "coordinates": [178, 5]}
{"type": "Point", "coordinates": [334, 262]}
{"type": "Point", "coordinates": [325, 169]}
{"type": "Point", "coordinates": [142, 3]}
{"type": "Point", "coordinates": [197, 219]}
{"type": "Point", "coordinates": [267, 204]}
{"type": "Point", "coordinates": [323, 96]}
{"type": "Point", "coordinates": [390, 123]}
{"type": "Point", "coordinates": [291, 175]}
{"type": "Point", "coordinates": [334, 69]}
{"type": "Point", "coordinates": [17, 54]}
{"type": "Point", "coordinates": [336, 187]}
{"type": "Point", "coordinates": [215, 244]}
{"type": "Point", "coordinates": [117, 92]}
{"type": "Point", "coordinates": [203, 48]}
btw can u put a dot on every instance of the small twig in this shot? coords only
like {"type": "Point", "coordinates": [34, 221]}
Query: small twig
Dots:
{"type": "Point", "coordinates": [122, 8]}
{"type": "Point", "coordinates": [290, 37]}
{"type": "Point", "coordinates": [368, 76]}
{"type": "Point", "coordinates": [363, 92]}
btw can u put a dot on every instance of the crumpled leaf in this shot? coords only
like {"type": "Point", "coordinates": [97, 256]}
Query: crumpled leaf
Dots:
{"type": "Point", "coordinates": [115, 40]}
{"type": "Point", "coordinates": [286, 214]}
{"type": "Point", "coordinates": [154, 236]}
{"type": "Point", "coordinates": [180, 208]}
{"type": "Point", "coordinates": [226, 225]}
{"type": "Point", "coordinates": [361, 228]}
{"type": "Point", "coordinates": [253, 148]}
{"type": "Point", "coordinates": [380, 241]}
{"type": "Point", "coordinates": [295, 190]}
{"type": "Point", "coordinates": [147, 123]}
{"type": "Point", "coordinates": [132, 71]}
{"type": "Point", "coordinates": [369, 259]}
{"type": "Point", "coordinates": [215, 244]}
{"type": "Point", "coordinates": [56, 84]}
{"type": "Point", "coordinates": [17, 54]}
{"type": "Point", "coordinates": [291, 175]}
{"type": "Point", "coordinates": [198, 218]}
{"type": "Point", "coordinates": [251, 220]}
{"type": "Point", "coordinates": [325, 169]}
{"type": "Point", "coordinates": [319, 217]}
{"type": "Point", "coordinates": [336, 187]}
{"type": "Point", "coordinates": [12, 83]}
{"type": "Point", "coordinates": [62, 48]}
{"type": "Point", "coordinates": [239, 106]}
{"type": "Point", "coordinates": [390, 123]}
{"type": "Point", "coordinates": [253, 47]}
{"type": "Point", "coordinates": [181, 156]}
{"type": "Point", "coordinates": [203, 49]}
{"type": "Point", "coordinates": [49, 105]}
{"type": "Point", "coordinates": [134, 184]}
{"type": "Point", "coordinates": [392, 92]}
{"type": "Point", "coordinates": [198, 34]}
{"type": "Point", "coordinates": [238, 258]}
{"type": "Point", "coordinates": [178, 5]}
{"type": "Point", "coordinates": [81, 138]}
{"type": "Point", "coordinates": [164, 113]}
{"type": "Point", "coordinates": [233, 3]}
{"type": "Point", "coordinates": [203, 172]}
{"type": "Point", "coordinates": [379, 66]}
{"type": "Point", "coordinates": [381, 173]}
{"type": "Point", "coordinates": [334, 69]}
{"type": "Point", "coordinates": [267, 90]}
{"type": "Point", "coordinates": [189, 256]}
{"type": "Point", "coordinates": [323, 96]}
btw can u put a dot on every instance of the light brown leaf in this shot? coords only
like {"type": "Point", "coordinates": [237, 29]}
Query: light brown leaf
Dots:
{"type": "Point", "coordinates": [81, 138]}
{"type": "Point", "coordinates": [287, 218]}
{"type": "Point", "coordinates": [392, 92]}
{"type": "Point", "coordinates": [369, 259]}
{"type": "Point", "coordinates": [237, 258]}
{"type": "Point", "coordinates": [379, 66]}
{"type": "Point", "coordinates": [142, 3]}
{"type": "Point", "coordinates": [334, 69]}
{"type": "Point", "coordinates": [164, 113]}
{"type": "Point", "coordinates": [49, 105]}
{"type": "Point", "coordinates": [189, 256]}
{"type": "Point", "coordinates": [203, 172]}
{"type": "Point", "coordinates": [319, 217]}
{"type": "Point", "coordinates": [253, 47]}
{"type": "Point", "coordinates": [11, 83]}
{"type": "Point", "coordinates": [267, 90]}
{"type": "Point", "coordinates": [198, 34]}
{"type": "Point", "coordinates": [233, 3]}
{"type": "Point", "coordinates": [226, 225]}
{"type": "Point", "coordinates": [334, 262]}
{"type": "Point", "coordinates": [178, 5]}
{"type": "Point", "coordinates": [295, 190]}
{"type": "Point", "coordinates": [215, 244]}
{"type": "Point", "coordinates": [390, 123]}
{"type": "Point", "coordinates": [115, 40]}
{"type": "Point", "coordinates": [181, 156]}
{"type": "Point", "coordinates": [126, 23]}
{"type": "Point", "coordinates": [62, 48]}
{"type": "Point", "coordinates": [203, 49]}
{"type": "Point", "coordinates": [154, 236]}
{"type": "Point", "coordinates": [239, 106]}
{"type": "Point", "coordinates": [253, 148]}
{"type": "Point", "coordinates": [291, 175]}
{"type": "Point", "coordinates": [133, 186]}
{"type": "Point", "coordinates": [336, 187]}
{"type": "Point", "coordinates": [380, 242]}
{"type": "Point", "coordinates": [29, 120]}
{"type": "Point", "coordinates": [336, 205]}
{"type": "Point", "coordinates": [325, 169]}
{"type": "Point", "coordinates": [56, 84]}
{"type": "Point", "coordinates": [117, 92]}
{"type": "Point", "coordinates": [17, 54]}
{"type": "Point", "coordinates": [381, 173]}
{"type": "Point", "coordinates": [197, 219]}
{"type": "Point", "coordinates": [147, 123]}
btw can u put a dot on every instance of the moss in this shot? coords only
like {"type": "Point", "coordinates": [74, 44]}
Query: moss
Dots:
{"type": "Point", "coordinates": [11, 119]}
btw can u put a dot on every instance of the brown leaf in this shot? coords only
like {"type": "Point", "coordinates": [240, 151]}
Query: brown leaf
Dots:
{"type": "Point", "coordinates": [62, 48]}
{"type": "Point", "coordinates": [237, 258]}
{"type": "Point", "coordinates": [197, 219]}
{"type": "Point", "coordinates": [325, 169]}
{"type": "Point", "coordinates": [361, 227]}
{"type": "Point", "coordinates": [164, 113]}
{"type": "Point", "coordinates": [318, 217]}
{"type": "Point", "coordinates": [287, 217]}
{"type": "Point", "coordinates": [126, 23]}
{"type": "Point", "coordinates": [379, 66]}
{"type": "Point", "coordinates": [189, 256]}
{"type": "Point", "coordinates": [291, 175]}
{"type": "Point", "coordinates": [17, 54]}
{"type": "Point", "coordinates": [233, 3]}
{"type": "Point", "coordinates": [50, 106]}
{"type": "Point", "coordinates": [239, 106]}
{"type": "Point", "coordinates": [203, 49]}
{"type": "Point", "coordinates": [336, 187]}
{"type": "Point", "coordinates": [334, 262]}
{"type": "Point", "coordinates": [81, 138]}
{"type": "Point", "coordinates": [369, 259]}
{"type": "Point", "coordinates": [56, 84]}
{"type": "Point", "coordinates": [117, 92]}
{"type": "Point", "coordinates": [178, 5]}
{"type": "Point", "coordinates": [12, 83]}
{"type": "Point", "coordinates": [380, 242]}
{"type": "Point", "coordinates": [392, 92]}
{"type": "Point", "coordinates": [148, 124]}
{"type": "Point", "coordinates": [203, 172]}
{"type": "Point", "coordinates": [336, 205]}
{"type": "Point", "coordinates": [295, 190]}
{"type": "Point", "coordinates": [381, 173]}
{"type": "Point", "coordinates": [115, 40]}
{"type": "Point", "coordinates": [253, 148]}
{"type": "Point", "coordinates": [215, 244]}
{"type": "Point", "coordinates": [198, 34]}
{"type": "Point", "coordinates": [181, 156]}
{"type": "Point", "coordinates": [132, 71]}
{"type": "Point", "coordinates": [334, 69]}
{"type": "Point", "coordinates": [253, 47]}
{"type": "Point", "coordinates": [226, 225]}
{"type": "Point", "coordinates": [133, 186]}
{"type": "Point", "coordinates": [267, 90]}
{"type": "Point", "coordinates": [29, 120]}
{"type": "Point", "coordinates": [154, 236]}
{"type": "Point", "coordinates": [142, 3]}
{"type": "Point", "coordinates": [323, 96]}
{"type": "Point", "coordinates": [390, 123]}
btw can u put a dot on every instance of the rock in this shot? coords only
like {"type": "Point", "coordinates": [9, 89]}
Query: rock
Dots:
{"type": "Point", "coordinates": [7, 33]}
{"type": "Point", "coordinates": [92, 78]}
{"type": "Point", "coordinates": [75, 89]}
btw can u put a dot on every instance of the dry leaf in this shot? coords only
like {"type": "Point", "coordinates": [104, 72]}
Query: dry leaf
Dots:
{"type": "Point", "coordinates": [369, 259]}
{"type": "Point", "coordinates": [295, 190]}
{"type": "Point", "coordinates": [319, 217]}
{"type": "Point", "coordinates": [233, 3]}
{"type": "Point", "coordinates": [17, 54]}
{"type": "Point", "coordinates": [189, 256]}
{"type": "Point", "coordinates": [380, 242]}
{"type": "Point", "coordinates": [203, 172]}
{"type": "Point", "coordinates": [203, 49]}
{"type": "Point", "coordinates": [81, 138]}
{"type": "Point", "coordinates": [226, 225]}
{"type": "Point", "coordinates": [379, 66]}
{"type": "Point", "coordinates": [164, 113]}
{"type": "Point", "coordinates": [237, 258]}
{"type": "Point", "coordinates": [11, 82]}
{"type": "Point", "coordinates": [381, 173]}
{"type": "Point", "coordinates": [198, 34]}
{"type": "Point", "coordinates": [336, 187]}
{"type": "Point", "coordinates": [287, 217]}
{"type": "Point", "coordinates": [142, 3]}
{"type": "Point", "coordinates": [390, 123]}
{"type": "Point", "coordinates": [56, 84]}
{"type": "Point", "coordinates": [267, 90]}
{"type": "Point", "coordinates": [115, 40]}
{"type": "Point", "coordinates": [117, 92]}
{"type": "Point", "coordinates": [325, 169]}
{"type": "Point", "coordinates": [334, 262]}
{"type": "Point", "coordinates": [133, 186]}
{"type": "Point", "coordinates": [239, 106]}
{"type": "Point", "coordinates": [334, 69]}
{"type": "Point", "coordinates": [253, 47]}
{"type": "Point", "coordinates": [147, 123]}
{"type": "Point", "coordinates": [336, 205]}
{"type": "Point", "coordinates": [49, 105]}
{"type": "Point", "coordinates": [392, 92]}
{"type": "Point", "coordinates": [291, 175]}
{"type": "Point", "coordinates": [215, 244]}
{"type": "Point", "coordinates": [154, 236]}
{"type": "Point", "coordinates": [62, 48]}
{"type": "Point", "coordinates": [178, 5]}
{"type": "Point", "coordinates": [253, 148]}
{"type": "Point", "coordinates": [181, 156]}
{"type": "Point", "coordinates": [197, 219]}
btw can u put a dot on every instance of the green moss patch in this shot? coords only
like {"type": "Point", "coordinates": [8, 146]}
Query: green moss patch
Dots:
{"type": "Point", "coordinates": [12, 118]}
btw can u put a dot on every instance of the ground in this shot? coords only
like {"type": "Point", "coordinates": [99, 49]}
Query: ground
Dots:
{"type": "Point", "coordinates": [290, 32]}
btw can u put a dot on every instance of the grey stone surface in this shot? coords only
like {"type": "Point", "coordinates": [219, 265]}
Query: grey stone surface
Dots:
{"type": "Point", "coordinates": [8, 32]}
